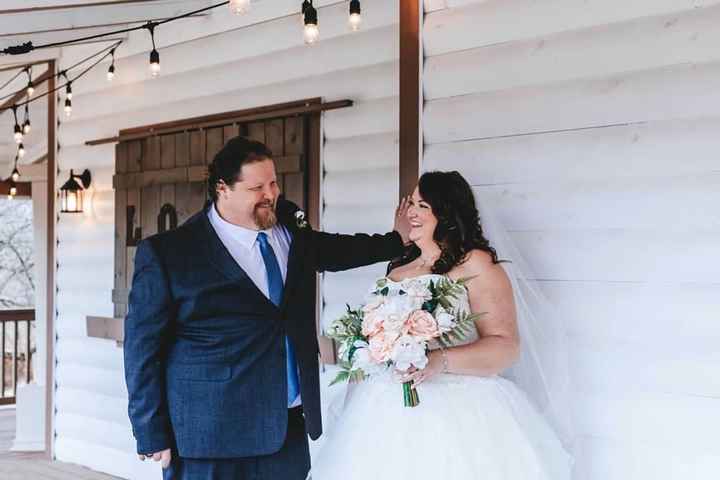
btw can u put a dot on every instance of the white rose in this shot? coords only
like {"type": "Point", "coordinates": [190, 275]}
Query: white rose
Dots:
{"type": "Point", "coordinates": [361, 356]}
{"type": "Point", "coordinates": [408, 352]}
{"type": "Point", "coordinates": [363, 360]}
{"type": "Point", "coordinates": [394, 312]}
{"type": "Point", "coordinates": [394, 322]}
{"type": "Point", "coordinates": [445, 320]}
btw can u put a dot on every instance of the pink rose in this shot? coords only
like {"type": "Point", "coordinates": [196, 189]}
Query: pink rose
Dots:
{"type": "Point", "coordinates": [372, 324]}
{"type": "Point", "coordinates": [422, 325]}
{"type": "Point", "coordinates": [381, 346]}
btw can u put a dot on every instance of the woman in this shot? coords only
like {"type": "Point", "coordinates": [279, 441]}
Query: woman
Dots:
{"type": "Point", "coordinates": [471, 423]}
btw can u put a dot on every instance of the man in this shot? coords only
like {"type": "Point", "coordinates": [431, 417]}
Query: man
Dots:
{"type": "Point", "coordinates": [221, 352]}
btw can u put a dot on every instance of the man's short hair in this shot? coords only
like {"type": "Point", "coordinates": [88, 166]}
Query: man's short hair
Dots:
{"type": "Point", "coordinates": [227, 164]}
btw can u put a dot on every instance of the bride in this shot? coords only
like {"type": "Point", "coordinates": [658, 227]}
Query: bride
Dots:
{"type": "Point", "coordinates": [492, 406]}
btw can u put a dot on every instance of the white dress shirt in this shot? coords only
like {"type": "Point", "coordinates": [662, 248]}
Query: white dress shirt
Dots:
{"type": "Point", "coordinates": [242, 244]}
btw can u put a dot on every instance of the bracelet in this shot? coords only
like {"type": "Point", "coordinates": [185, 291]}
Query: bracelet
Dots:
{"type": "Point", "coordinates": [443, 352]}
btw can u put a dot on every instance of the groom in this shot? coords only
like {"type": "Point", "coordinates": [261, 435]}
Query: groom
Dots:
{"type": "Point", "coordinates": [221, 352]}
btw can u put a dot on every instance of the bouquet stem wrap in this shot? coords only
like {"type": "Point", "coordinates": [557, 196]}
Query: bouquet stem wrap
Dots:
{"type": "Point", "coordinates": [410, 395]}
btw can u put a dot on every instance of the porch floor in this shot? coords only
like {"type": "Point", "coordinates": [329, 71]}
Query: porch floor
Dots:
{"type": "Point", "coordinates": [27, 466]}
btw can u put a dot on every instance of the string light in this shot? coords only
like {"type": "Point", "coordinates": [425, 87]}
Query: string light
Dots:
{"type": "Point", "coordinates": [239, 7]}
{"type": "Point", "coordinates": [68, 94]}
{"type": "Point", "coordinates": [311, 36]}
{"type": "Point", "coordinates": [30, 87]}
{"type": "Point", "coordinates": [111, 70]}
{"type": "Point", "coordinates": [26, 124]}
{"type": "Point", "coordinates": [18, 134]}
{"type": "Point", "coordinates": [155, 63]}
{"type": "Point", "coordinates": [312, 32]}
{"type": "Point", "coordinates": [13, 190]}
{"type": "Point", "coordinates": [355, 15]}
{"type": "Point", "coordinates": [15, 176]}
{"type": "Point", "coordinates": [21, 150]}
{"type": "Point", "coordinates": [154, 55]}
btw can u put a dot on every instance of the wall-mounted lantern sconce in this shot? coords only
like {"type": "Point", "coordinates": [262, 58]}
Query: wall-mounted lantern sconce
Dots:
{"type": "Point", "coordinates": [71, 194]}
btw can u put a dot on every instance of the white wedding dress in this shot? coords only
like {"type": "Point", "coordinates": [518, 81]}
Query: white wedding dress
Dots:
{"type": "Point", "coordinates": [464, 428]}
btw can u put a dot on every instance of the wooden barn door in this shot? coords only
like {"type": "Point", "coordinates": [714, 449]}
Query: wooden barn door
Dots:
{"type": "Point", "coordinates": [161, 181]}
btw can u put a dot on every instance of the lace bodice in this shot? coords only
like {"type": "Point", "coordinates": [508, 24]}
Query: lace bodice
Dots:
{"type": "Point", "coordinates": [415, 285]}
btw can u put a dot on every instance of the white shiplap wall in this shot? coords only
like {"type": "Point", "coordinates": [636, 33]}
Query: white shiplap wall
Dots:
{"type": "Point", "coordinates": [593, 125]}
{"type": "Point", "coordinates": [220, 68]}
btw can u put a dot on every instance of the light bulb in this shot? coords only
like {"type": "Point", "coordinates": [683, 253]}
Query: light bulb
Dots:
{"type": "Point", "coordinates": [155, 63]}
{"type": "Point", "coordinates": [111, 73]}
{"type": "Point", "coordinates": [355, 17]}
{"type": "Point", "coordinates": [355, 21]}
{"type": "Point", "coordinates": [68, 91]}
{"type": "Point", "coordinates": [21, 150]}
{"type": "Point", "coordinates": [13, 192]}
{"type": "Point", "coordinates": [68, 107]}
{"type": "Point", "coordinates": [18, 134]}
{"type": "Point", "coordinates": [15, 175]}
{"type": "Point", "coordinates": [30, 89]}
{"type": "Point", "coordinates": [312, 34]}
{"type": "Point", "coordinates": [26, 127]}
{"type": "Point", "coordinates": [239, 6]}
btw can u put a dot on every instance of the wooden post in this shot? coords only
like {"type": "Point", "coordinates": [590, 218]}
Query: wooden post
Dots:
{"type": "Point", "coordinates": [50, 300]}
{"type": "Point", "coordinates": [410, 94]}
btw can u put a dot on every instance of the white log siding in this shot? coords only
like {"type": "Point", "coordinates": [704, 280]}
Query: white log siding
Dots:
{"type": "Point", "coordinates": [210, 65]}
{"type": "Point", "coordinates": [594, 125]}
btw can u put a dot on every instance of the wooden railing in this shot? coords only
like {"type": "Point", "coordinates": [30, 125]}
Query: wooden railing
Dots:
{"type": "Point", "coordinates": [17, 344]}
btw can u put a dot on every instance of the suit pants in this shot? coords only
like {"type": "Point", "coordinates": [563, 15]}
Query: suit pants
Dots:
{"type": "Point", "coordinates": [292, 462]}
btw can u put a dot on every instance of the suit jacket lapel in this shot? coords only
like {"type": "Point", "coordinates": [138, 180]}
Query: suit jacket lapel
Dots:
{"type": "Point", "coordinates": [286, 217]}
{"type": "Point", "coordinates": [294, 267]}
{"type": "Point", "coordinates": [222, 260]}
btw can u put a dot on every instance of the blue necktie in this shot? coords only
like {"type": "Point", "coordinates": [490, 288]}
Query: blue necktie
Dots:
{"type": "Point", "coordinates": [275, 288]}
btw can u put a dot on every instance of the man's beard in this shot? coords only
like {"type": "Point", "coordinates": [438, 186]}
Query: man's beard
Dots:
{"type": "Point", "coordinates": [265, 218]}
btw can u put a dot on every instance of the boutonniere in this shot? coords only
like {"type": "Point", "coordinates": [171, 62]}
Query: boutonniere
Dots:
{"type": "Point", "coordinates": [300, 219]}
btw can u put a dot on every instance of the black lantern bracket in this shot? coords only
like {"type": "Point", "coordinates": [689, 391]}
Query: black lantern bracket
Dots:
{"type": "Point", "coordinates": [85, 178]}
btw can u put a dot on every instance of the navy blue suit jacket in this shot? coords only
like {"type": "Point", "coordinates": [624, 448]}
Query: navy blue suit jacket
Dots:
{"type": "Point", "coordinates": [204, 349]}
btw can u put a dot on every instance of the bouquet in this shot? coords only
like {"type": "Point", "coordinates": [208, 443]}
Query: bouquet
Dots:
{"type": "Point", "coordinates": [395, 326]}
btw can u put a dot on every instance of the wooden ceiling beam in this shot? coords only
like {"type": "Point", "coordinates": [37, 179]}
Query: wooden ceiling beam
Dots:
{"type": "Point", "coordinates": [69, 6]}
{"type": "Point", "coordinates": [90, 27]}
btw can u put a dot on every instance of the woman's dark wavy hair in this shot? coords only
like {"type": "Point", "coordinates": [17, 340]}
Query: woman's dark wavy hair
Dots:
{"type": "Point", "coordinates": [458, 231]}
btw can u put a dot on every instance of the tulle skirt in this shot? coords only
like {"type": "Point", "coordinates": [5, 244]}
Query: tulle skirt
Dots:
{"type": "Point", "coordinates": [464, 428]}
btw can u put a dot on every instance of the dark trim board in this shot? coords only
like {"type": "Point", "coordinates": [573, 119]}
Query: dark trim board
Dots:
{"type": "Point", "coordinates": [410, 91]}
{"type": "Point", "coordinates": [50, 263]}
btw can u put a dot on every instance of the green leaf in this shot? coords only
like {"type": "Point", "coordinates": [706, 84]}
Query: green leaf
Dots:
{"type": "Point", "coordinates": [341, 377]}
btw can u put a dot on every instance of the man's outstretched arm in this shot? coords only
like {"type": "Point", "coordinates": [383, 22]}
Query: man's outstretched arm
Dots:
{"type": "Point", "coordinates": [337, 252]}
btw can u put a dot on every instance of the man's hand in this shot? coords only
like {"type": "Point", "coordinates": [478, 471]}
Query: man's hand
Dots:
{"type": "Point", "coordinates": [402, 224]}
{"type": "Point", "coordinates": [165, 457]}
